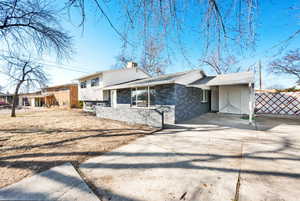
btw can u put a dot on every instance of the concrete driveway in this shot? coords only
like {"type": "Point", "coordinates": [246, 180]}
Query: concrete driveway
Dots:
{"type": "Point", "coordinates": [212, 157]}
{"type": "Point", "coordinates": [207, 158]}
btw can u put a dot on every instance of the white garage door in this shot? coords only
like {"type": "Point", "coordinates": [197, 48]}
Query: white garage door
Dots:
{"type": "Point", "coordinates": [234, 99]}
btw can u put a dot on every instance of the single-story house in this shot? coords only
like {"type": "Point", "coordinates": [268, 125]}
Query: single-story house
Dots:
{"type": "Point", "coordinates": [33, 99]}
{"type": "Point", "coordinates": [178, 97]}
{"type": "Point", "coordinates": [65, 96]}
{"type": "Point", "coordinates": [6, 98]}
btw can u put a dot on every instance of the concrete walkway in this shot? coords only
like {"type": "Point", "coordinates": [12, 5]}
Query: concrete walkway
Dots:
{"type": "Point", "coordinates": [205, 159]}
{"type": "Point", "coordinates": [60, 183]}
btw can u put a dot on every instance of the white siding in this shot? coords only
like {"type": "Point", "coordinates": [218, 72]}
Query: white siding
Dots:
{"type": "Point", "coordinates": [108, 78]}
{"type": "Point", "coordinates": [123, 75]}
{"type": "Point", "coordinates": [234, 99]}
{"type": "Point", "coordinates": [91, 93]}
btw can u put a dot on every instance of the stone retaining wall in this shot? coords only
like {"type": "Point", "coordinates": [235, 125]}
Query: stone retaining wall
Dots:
{"type": "Point", "coordinates": [150, 117]}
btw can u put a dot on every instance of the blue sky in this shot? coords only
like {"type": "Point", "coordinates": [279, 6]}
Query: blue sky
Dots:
{"type": "Point", "coordinates": [97, 47]}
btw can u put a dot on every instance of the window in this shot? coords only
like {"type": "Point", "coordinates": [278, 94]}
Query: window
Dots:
{"type": "Point", "coordinates": [204, 97]}
{"type": "Point", "coordinates": [83, 84]}
{"type": "Point", "coordinates": [142, 97]}
{"type": "Point", "coordinates": [152, 94]}
{"type": "Point", "coordinates": [95, 82]}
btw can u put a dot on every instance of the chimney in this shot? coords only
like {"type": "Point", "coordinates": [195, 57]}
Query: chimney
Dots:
{"type": "Point", "coordinates": [131, 64]}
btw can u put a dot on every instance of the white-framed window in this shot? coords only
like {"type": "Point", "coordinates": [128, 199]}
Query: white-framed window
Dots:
{"type": "Point", "coordinates": [142, 97]}
{"type": "Point", "coordinates": [204, 96]}
{"type": "Point", "coordinates": [95, 82]}
{"type": "Point", "coordinates": [83, 84]}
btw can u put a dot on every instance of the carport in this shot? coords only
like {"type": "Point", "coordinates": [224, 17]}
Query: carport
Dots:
{"type": "Point", "coordinates": [230, 93]}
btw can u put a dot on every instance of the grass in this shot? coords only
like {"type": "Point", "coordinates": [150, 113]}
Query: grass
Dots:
{"type": "Point", "coordinates": [38, 140]}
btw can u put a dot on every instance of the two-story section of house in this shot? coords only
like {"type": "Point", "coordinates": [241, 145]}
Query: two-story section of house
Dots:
{"type": "Point", "coordinates": [91, 86]}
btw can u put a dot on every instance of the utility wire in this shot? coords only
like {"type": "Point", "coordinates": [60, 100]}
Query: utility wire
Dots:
{"type": "Point", "coordinates": [55, 65]}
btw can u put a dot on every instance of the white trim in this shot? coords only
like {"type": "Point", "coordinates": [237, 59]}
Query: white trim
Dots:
{"type": "Point", "coordinates": [113, 96]}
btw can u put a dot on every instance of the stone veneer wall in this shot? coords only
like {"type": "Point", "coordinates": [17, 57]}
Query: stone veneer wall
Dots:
{"type": "Point", "coordinates": [145, 116]}
{"type": "Point", "coordinates": [164, 101]}
{"type": "Point", "coordinates": [188, 103]}
{"type": "Point", "coordinates": [178, 102]}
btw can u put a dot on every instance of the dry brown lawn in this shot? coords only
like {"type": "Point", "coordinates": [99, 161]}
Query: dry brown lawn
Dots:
{"type": "Point", "coordinates": [35, 141]}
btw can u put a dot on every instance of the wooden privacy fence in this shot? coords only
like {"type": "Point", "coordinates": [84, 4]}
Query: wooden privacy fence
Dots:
{"type": "Point", "coordinates": [283, 103]}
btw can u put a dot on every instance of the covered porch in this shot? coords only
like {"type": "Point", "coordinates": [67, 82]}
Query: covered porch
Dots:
{"type": "Point", "coordinates": [230, 93]}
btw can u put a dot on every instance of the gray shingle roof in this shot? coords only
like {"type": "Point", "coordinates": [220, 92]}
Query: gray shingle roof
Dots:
{"type": "Point", "coordinates": [203, 81]}
{"type": "Point", "coordinates": [162, 79]}
{"type": "Point", "coordinates": [104, 71]}
{"type": "Point", "coordinates": [232, 78]}
{"type": "Point", "coordinates": [225, 79]}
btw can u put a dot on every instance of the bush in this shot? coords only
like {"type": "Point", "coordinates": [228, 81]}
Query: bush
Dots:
{"type": "Point", "coordinates": [80, 104]}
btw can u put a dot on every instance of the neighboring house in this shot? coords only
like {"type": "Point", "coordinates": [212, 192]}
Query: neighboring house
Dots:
{"type": "Point", "coordinates": [91, 86]}
{"type": "Point", "coordinates": [65, 96]}
{"type": "Point", "coordinates": [34, 99]}
{"type": "Point", "coordinates": [6, 98]}
{"type": "Point", "coordinates": [178, 97]}
{"type": "Point", "coordinates": [25, 99]}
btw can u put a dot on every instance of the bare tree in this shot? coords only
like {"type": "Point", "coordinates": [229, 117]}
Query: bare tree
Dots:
{"type": "Point", "coordinates": [27, 26]}
{"type": "Point", "coordinates": [221, 64]}
{"type": "Point", "coordinates": [23, 72]}
{"type": "Point", "coordinates": [153, 61]}
{"type": "Point", "coordinates": [27, 23]}
{"type": "Point", "coordinates": [217, 23]}
{"type": "Point", "coordinates": [284, 44]}
{"type": "Point", "coordinates": [288, 64]}
{"type": "Point", "coordinates": [122, 60]}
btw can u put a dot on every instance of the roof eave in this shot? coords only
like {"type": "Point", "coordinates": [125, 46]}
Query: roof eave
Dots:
{"type": "Point", "coordinates": [138, 85]}
{"type": "Point", "coordinates": [89, 76]}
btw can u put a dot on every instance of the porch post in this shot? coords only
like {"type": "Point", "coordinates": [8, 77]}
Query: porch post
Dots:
{"type": "Point", "coordinates": [250, 105]}
{"type": "Point", "coordinates": [148, 97]}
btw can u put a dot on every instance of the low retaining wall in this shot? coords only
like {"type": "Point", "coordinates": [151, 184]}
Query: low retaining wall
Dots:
{"type": "Point", "coordinates": [149, 117]}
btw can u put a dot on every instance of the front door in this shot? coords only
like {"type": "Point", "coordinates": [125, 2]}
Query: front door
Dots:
{"type": "Point", "coordinates": [113, 98]}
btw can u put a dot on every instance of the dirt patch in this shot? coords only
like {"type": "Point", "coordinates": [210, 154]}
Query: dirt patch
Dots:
{"type": "Point", "coordinates": [38, 140]}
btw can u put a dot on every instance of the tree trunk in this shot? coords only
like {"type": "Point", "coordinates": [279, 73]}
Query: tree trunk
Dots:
{"type": "Point", "coordinates": [15, 98]}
